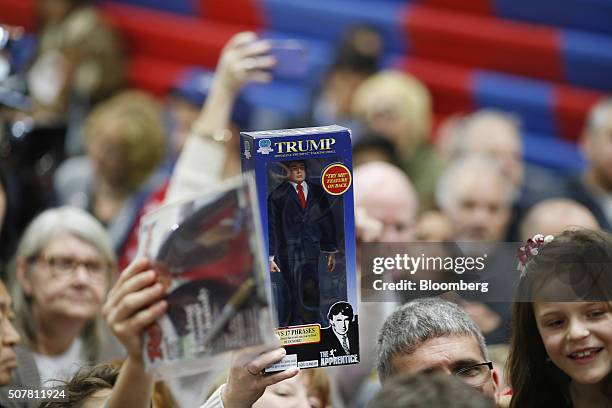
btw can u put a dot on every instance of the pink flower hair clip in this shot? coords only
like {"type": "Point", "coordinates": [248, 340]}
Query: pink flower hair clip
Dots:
{"type": "Point", "coordinates": [531, 249]}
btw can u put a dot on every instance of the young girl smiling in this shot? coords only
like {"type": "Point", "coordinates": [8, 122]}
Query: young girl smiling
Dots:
{"type": "Point", "coordinates": [561, 346]}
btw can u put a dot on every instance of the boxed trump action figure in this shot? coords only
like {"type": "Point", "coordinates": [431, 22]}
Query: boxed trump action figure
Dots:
{"type": "Point", "coordinates": [305, 191]}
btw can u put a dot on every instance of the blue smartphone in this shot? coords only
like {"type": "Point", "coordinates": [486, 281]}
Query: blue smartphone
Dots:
{"type": "Point", "coordinates": [290, 58]}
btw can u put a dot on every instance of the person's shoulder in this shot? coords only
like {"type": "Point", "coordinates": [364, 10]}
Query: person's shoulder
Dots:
{"type": "Point", "coordinates": [26, 375]}
{"type": "Point", "coordinates": [573, 186]}
{"type": "Point", "coordinates": [73, 180]}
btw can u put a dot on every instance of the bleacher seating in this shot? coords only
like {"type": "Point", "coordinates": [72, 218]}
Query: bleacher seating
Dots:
{"type": "Point", "coordinates": [546, 61]}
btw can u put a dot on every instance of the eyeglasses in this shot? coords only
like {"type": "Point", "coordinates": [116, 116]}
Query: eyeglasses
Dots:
{"type": "Point", "coordinates": [66, 267]}
{"type": "Point", "coordinates": [474, 375]}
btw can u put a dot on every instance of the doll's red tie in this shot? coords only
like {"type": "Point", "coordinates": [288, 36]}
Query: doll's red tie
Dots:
{"type": "Point", "coordinates": [301, 196]}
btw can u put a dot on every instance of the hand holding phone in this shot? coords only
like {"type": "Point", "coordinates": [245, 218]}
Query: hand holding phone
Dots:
{"type": "Point", "coordinates": [290, 56]}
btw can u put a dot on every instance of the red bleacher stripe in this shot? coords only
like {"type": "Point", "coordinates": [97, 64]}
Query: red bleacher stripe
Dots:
{"type": "Point", "coordinates": [181, 39]}
{"type": "Point", "coordinates": [18, 13]}
{"type": "Point", "coordinates": [571, 108]}
{"type": "Point", "coordinates": [470, 6]}
{"type": "Point", "coordinates": [484, 42]}
{"type": "Point", "coordinates": [452, 90]}
{"type": "Point", "coordinates": [155, 75]}
{"type": "Point", "coordinates": [450, 86]}
{"type": "Point", "coordinates": [244, 12]}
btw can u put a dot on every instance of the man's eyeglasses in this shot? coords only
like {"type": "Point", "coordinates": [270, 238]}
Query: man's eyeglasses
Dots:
{"type": "Point", "coordinates": [66, 266]}
{"type": "Point", "coordinates": [474, 375]}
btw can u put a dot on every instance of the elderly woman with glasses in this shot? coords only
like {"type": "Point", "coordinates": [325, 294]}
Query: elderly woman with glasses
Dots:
{"type": "Point", "coordinates": [63, 270]}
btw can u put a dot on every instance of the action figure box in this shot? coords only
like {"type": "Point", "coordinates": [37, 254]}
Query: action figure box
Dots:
{"type": "Point", "coordinates": [208, 253]}
{"type": "Point", "coordinates": [305, 190]}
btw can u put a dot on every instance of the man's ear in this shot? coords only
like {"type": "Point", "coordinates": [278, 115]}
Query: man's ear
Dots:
{"type": "Point", "coordinates": [498, 389]}
{"type": "Point", "coordinates": [23, 277]}
{"type": "Point", "coordinates": [495, 377]}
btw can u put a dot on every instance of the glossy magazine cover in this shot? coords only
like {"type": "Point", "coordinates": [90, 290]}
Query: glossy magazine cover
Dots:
{"type": "Point", "coordinates": [208, 253]}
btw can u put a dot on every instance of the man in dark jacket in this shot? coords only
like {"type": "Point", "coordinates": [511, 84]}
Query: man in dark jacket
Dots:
{"type": "Point", "coordinates": [593, 188]}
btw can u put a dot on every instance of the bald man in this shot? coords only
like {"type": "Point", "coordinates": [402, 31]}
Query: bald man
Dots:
{"type": "Point", "coordinates": [384, 193]}
{"type": "Point", "coordinates": [556, 215]}
{"type": "Point", "coordinates": [386, 207]}
{"type": "Point", "coordinates": [495, 134]}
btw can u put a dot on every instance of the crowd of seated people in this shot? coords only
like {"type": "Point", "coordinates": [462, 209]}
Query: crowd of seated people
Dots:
{"type": "Point", "coordinates": [75, 300]}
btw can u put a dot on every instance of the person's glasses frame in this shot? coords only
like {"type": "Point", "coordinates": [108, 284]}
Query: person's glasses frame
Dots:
{"type": "Point", "coordinates": [66, 266]}
{"type": "Point", "coordinates": [478, 377]}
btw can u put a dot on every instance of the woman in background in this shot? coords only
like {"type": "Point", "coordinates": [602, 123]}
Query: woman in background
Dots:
{"type": "Point", "coordinates": [124, 139]}
{"type": "Point", "coordinates": [397, 106]}
{"type": "Point", "coordinates": [63, 268]}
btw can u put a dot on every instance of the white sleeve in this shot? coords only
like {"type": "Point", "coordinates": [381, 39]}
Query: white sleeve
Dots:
{"type": "Point", "coordinates": [199, 167]}
{"type": "Point", "coordinates": [215, 401]}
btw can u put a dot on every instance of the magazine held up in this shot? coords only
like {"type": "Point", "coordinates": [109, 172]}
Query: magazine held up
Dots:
{"type": "Point", "coordinates": [208, 253]}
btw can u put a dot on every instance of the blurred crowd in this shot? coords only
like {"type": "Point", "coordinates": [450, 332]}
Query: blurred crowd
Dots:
{"type": "Point", "coordinates": [82, 159]}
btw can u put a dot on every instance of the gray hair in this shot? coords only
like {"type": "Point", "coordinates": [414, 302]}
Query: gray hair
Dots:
{"type": "Point", "coordinates": [598, 113]}
{"type": "Point", "coordinates": [45, 227]}
{"type": "Point", "coordinates": [417, 321]}
{"type": "Point", "coordinates": [492, 114]}
{"type": "Point", "coordinates": [474, 119]}
{"type": "Point", "coordinates": [474, 163]}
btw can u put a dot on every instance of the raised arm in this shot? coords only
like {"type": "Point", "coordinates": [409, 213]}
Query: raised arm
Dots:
{"type": "Point", "coordinates": [200, 165]}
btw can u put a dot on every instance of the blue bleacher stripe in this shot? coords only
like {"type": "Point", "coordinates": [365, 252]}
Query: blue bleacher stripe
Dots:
{"type": "Point", "coordinates": [531, 100]}
{"type": "Point", "coordinates": [588, 58]}
{"type": "Point", "coordinates": [552, 153]}
{"type": "Point", "coordinates": [594, 15]}
{"type": "Point", "coordinates": [330, 19]}
{"type": "Point", "coordinates": [189, 7]}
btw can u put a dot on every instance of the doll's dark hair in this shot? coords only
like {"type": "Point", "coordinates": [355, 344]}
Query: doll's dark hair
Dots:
{"type": "Point", "coordinates": [581, 260]}
{"type": "Point", "coordinates": [288, 163]}
{"type": "Point", "coordinates": [337, 308]}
